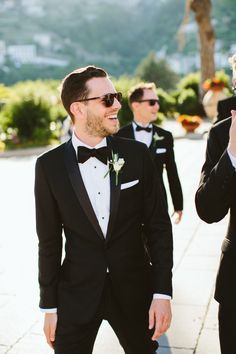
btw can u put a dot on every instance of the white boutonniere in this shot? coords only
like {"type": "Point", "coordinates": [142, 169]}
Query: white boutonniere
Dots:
{"type": "Point", "coordinates": [115, 164]}
{"type": "Point", "coordinates": [156, 138]}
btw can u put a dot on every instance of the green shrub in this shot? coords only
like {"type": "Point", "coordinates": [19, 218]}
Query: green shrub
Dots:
{"type": "Point", "coordinates": [167, 102]}
{"type": "Point", "coordinates": [188, 103]}
{"type": "Point", "coordinates": [30, 118]}
{"type": "Point", "coordinates": [190, 81]}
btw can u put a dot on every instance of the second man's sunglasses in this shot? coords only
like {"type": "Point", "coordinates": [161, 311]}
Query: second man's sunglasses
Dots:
{"type": "Point", "coordinates": [107, 100]}
{"type": "Point", "coordinates": [151, 102]}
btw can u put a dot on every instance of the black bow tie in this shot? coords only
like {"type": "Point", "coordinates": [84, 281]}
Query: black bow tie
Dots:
{"type": "Point", "coordinates": [147, 129]}
{"type": "Point", "coordinates": [102, 154]}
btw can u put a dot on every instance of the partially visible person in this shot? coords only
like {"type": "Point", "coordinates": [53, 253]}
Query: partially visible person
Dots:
{"type": "Point", "coordinates": [66, 129]}
{"type": "Point", "coordinates": [225, 106]}
{"type": "Point", "coordinates": [144, 103]}
{"type": "Point", "coordinates": [215, 197]}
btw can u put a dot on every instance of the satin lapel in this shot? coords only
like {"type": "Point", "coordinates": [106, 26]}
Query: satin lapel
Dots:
{"type": "Point", "coordinates": [79, 188]}
{"type": "Point", "coordinates": [152, 146]}
{"type": "Point", "coordinates": [114, 192]}
{"type": "Point", "coordinates": [131, 131]}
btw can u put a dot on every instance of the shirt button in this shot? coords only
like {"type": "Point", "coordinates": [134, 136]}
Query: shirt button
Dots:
{"type": "Point", "coordinates": [95, 166]}
{"type": "Point", "coordinates": [103, 218]}
{"type": "Point", "coordinates": [99, 193]}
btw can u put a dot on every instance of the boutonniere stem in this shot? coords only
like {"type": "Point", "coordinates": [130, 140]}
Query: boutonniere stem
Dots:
{"type": "Point", "coordinates": [115, 164]}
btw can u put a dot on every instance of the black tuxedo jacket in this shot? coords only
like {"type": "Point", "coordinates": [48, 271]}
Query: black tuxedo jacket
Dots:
{"type": "Point", "coordinates": [216, 196]}
{"type": "Point", "coordinates": [224, 108]}
{"type": "Point", "coordinates": [163, 155]}
{"type": "Point", "coordinates": [62, 204]}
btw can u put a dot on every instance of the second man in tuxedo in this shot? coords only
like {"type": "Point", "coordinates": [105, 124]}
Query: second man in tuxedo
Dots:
{"type": "Point", "coordinates": [144, 103]}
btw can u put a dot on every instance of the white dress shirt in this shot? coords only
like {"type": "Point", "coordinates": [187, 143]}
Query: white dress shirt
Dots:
{"type": "Point", "coordinates": [98, 189]}
{"type": "Point", "coordinates": [232, 158]}
{"type": "Point", "coordinates": [142, 135]}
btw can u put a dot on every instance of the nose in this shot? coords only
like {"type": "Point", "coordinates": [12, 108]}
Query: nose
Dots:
{"type": "Point", "coordinates": [117, 104]}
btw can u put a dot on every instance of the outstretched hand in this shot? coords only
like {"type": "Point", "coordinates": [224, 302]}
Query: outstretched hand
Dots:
{"type": "Point", "coordinates": [159, 317]}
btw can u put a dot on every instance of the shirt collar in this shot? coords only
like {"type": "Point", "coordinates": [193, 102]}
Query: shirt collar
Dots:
{"type": "Point", "coordinates": [135, 123]}
{"type": "Point", "coordinates": [77, 142]}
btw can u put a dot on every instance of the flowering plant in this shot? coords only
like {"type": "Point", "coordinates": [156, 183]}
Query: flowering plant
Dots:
{"type": "Point", "coordinates": [186, 119]}
{"type": "Point", "coordinates": [116, 165]}
{"type": "Point", "coordinates": [213, 84]}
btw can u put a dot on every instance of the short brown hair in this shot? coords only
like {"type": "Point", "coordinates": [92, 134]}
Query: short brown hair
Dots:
{"type": "Point", "coordinates": [73, 86]}
{"type": "Point", "coordinates": [136, 92]}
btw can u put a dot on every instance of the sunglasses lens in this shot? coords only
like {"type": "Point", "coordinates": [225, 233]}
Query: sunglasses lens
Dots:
{"type": "Point", "coordinates": [153, 102]}
{"type": "Point", "coordinates": [110, 97]}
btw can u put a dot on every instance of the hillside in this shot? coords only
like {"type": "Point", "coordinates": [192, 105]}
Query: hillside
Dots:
{"type": "Point", "coordinates": [116, 35]}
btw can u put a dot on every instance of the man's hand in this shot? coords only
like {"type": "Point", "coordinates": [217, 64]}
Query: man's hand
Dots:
{"type": "Point", "coordinates": [50, 324]}
{"type": "Point", "coordinates": [177, 216]}
{"type": "Point", "coordinates": [159, 317]}
{"type": "Point", "coordinates": [232, 135]}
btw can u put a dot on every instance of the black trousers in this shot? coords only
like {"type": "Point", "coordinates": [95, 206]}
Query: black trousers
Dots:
{"type": "Point", "coordinates": [227, 328]}
{"type": "Point", "coordinates": [134, 335]}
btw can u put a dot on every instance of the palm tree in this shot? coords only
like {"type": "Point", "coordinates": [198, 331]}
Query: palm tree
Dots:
{"type": "Point", "coordinates": [202, 11]}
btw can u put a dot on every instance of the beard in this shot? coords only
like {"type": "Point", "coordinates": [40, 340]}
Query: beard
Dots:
{"type": "Point", "coordinates": [95, 126]}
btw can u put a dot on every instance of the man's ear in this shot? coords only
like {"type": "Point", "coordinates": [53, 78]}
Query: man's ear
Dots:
{"type": "Point", "coordinates": [134, 105]}
{"type": "Point", "coordinates": [76, 109]}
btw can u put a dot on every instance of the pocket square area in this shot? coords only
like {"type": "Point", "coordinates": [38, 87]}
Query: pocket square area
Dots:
{"type": "Point", "coordinates": [129, 184]}
{"type": "Point", "coordinates": [160, 150]}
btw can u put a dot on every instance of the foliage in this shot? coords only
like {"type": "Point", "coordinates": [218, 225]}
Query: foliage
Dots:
{"type": "Point", "coordinates": [190, 81]}
{"type": "Point", "coordinates": [188, 102]}
{"type": "Point", "coordinates": [152, 69]}
{"type": "Point", "coordinates": [167, 102]}
{"type": "Point", "coordinates": [33, 115]}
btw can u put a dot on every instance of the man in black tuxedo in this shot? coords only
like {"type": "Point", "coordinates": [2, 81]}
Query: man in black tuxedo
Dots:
{"type": "Point", "coordinates": [95, 190]}
{"type": "Point", "coordinates": [144, 103]}
{"type": "Point", "coordinates": [216, 196]}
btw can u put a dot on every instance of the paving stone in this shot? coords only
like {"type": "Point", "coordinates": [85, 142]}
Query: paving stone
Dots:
{"type": "Point", "coordinates": [162, 350]}
{"type": "Point", "coordinates": [3, 349]}
{"type": "Point", "coordinates": [185, 327]}
{"type": "Point", "coordinates": [208, 342]}
{"type": "Point", "coordinates": [193, 287]}
{"type": "Point", "coordinates": [106, 341]}
{"type": "Point", "coordinates": [31, 344]}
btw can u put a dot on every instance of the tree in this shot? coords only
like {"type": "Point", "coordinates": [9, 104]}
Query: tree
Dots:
{"type": "Point", "coordinates": [202, 11]}
{"type": "Point", "coordinates": [158, 71]}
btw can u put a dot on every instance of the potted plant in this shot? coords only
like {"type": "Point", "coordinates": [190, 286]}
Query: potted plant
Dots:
{"type": "Point", "coordinates": [189, 122]}
{"type": "Point", "coordinates": [214, 88]}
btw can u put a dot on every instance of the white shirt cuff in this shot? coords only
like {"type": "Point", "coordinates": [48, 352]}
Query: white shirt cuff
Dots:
{"type": "Point", "coordinates": [49, 310]}
{"type": "Point", "coordinates": [232, 158]}
{"type": "Point", "coordinates": [161, 296]}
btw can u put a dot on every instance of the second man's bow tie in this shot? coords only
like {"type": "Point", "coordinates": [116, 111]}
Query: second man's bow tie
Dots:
{"type": "Point", "coordinates": [147, 129]}
{"type": "Point", "coordinates": [102, 154]}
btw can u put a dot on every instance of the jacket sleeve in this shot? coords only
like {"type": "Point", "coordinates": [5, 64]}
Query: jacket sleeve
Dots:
{"type": "Point", "coordinates": [157, 228]}
{"type": "Point", "coordinates": [173, 177]}
{"type": "Point", "coordinates": [49, 231]}
{"type": "Point", "coordinates": [217, 186]}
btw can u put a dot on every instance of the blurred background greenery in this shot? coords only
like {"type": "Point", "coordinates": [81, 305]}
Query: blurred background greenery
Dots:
{"type": "Point", "coordinates": [42, 40]}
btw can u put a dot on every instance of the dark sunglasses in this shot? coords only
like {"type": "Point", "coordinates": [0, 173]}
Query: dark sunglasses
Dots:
{"type": "Point", "coordinates": [151, 102]}
{"type": "Point", "coordinates": [107, 99]}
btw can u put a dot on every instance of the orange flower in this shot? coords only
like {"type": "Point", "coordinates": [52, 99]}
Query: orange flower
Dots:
{"type": "Point", "coordinates": [213, 83]}
{"type": "Point", "coordinates": [186, 119]}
